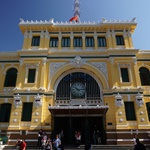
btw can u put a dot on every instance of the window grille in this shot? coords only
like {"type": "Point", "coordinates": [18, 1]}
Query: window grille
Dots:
{"type": "Point", "coordinates": [92, 90]}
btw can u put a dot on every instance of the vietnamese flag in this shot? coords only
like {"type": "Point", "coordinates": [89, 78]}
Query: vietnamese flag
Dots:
{"type": "Point", "coordinates": [75, 18]}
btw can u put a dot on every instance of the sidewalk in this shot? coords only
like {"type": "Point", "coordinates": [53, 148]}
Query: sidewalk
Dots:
{"type": "Point", "coordinates": [94, 147]}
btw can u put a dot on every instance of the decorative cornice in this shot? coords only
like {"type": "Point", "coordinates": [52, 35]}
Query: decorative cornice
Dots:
{"type": "Point", "coordinates": [118, 21]}
{"type": "Point", "coordinates": [124, 65]}
{"type": "Point", "coordinates": [8, 54]}
{"type": "Point", "coordinates": [51, 22]}
{"type": "Point", "coordinates": [32, 65]}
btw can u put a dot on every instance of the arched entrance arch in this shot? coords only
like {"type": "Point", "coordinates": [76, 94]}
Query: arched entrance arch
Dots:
{"type": "Point", "coordinates": [79, 112]}
{"type": "Point", "coordinates": [79, 88]}
{"type": "Point", "coordinates": [99, 76]}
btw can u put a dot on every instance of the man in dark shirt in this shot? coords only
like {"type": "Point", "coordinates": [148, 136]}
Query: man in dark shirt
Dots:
{"type": "Point", "coordinates": [40, 134]}
{"type": "Point", "coordinates": [139, 146]}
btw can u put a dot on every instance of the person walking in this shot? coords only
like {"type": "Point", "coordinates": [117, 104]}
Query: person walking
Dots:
{"type": "Point", "coordinates": [23, 145]}
{"type": "Point", "coordinates": [61, 137]}
{"type": "Point", "coordinates": [57, 143]}
{"type": "Point", "coordinates": [78, 139]}
{"type": "Point", "coordinates": [134, 139]}
{"type": "Point", "coordinates": [40, 136]}
{"type": "Point", "coordinates": [139, 145]}
{"type": "Point", "coordinates": [48, 144]}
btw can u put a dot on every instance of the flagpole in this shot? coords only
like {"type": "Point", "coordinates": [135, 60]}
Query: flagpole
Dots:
{"type": "Point", "coordinates": [77, 9]}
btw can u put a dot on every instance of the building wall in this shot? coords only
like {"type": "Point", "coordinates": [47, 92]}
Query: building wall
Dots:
{"type": "Point", "coordinates": [51, 64]}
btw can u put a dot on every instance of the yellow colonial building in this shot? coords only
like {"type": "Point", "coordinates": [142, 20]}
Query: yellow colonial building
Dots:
{"type": "Point", "coordinates": [76, 76]}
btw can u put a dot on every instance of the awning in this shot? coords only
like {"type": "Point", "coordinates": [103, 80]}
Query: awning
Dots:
{"type": "Point", "coordinates": [78, 110]}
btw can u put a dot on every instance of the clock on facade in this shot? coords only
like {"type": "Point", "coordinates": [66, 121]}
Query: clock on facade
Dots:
{"type": "Point", "coordinates": [78, 89]}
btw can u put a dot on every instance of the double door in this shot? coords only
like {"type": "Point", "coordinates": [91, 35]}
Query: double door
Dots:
{"type": "Point", "coordinates": [88, 126]}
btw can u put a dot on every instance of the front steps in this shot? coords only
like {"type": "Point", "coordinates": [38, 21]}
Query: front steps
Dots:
{"type": "Point", "coordinates": [94, 147]}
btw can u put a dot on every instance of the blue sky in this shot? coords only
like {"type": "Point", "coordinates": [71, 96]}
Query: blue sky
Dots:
{"type": "Point", "coordinates": [11, 38]}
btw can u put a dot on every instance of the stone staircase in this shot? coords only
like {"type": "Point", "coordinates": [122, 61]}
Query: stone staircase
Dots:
{"type": "Point", "coordinates": [94, 147]}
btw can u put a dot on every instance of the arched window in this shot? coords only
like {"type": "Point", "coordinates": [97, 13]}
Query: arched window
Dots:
{"type": "Point", "coordinates": [144, 76]}
{"type": "Point", "coordinates": [11, 77]}
{"type": "Point", "coordinates": [78, 85]}
{"type": "Point", "coordinates": [148, 110]}
{"type": "Point", "coordinates": [5, 110]}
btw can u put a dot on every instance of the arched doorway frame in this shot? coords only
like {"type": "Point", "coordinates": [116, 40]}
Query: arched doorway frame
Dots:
{"type": "Point", "coordinates": [92, 71]}
{"type": "Point", "coordinates": [97, 75]}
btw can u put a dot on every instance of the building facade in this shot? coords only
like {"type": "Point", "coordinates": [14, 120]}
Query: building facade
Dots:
{"type": "Point", "coordinates": [76, 76]}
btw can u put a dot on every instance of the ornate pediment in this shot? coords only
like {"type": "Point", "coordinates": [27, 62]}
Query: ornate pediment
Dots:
{"type": "Point", "coordinates": [78, 62]}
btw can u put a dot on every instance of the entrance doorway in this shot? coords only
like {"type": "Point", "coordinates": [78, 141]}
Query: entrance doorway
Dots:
{"type": "Point", "coordinates": [86, 125]}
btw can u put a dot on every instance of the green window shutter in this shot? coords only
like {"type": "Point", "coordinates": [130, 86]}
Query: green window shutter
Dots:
{"type": "Point", "coordinates": [27, 112]}
{"type": "Point", "coordinates": [77, 42]}
{"type": "Point", "coordinates": [119, 40]}
{"type": "Point", "coordinates": [31, 75]}
{"type": "Point", "coordinates": [65, 42]}
{"type": "Point", "coordinates": [124, 74]}
{"type": "Point", "coordinates": [89, 41]}
{"type": "Point", "coordinates": [5, 110]}
{"type": "Point", "coordinates": [101, 42]}
{"type": "Point", "coordinates": [130, 111]}
{"type": "Point", "coordinates": [35, 41]}
{"type": "Point", "coordinates": [53, 42]}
